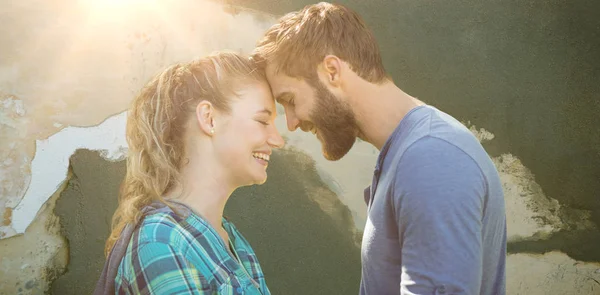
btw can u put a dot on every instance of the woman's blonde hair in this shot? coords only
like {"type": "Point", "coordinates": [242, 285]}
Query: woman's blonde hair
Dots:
{"type": "Point", "coordinates": [156, 127]}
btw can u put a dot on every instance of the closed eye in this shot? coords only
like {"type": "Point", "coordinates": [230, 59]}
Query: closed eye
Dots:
{"type": "Point", "coordinates": [286, 98]}
{"type": "Point", "coordinates": [262, 122]}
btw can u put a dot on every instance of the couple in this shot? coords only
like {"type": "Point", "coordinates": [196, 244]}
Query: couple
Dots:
{"type": "Point", "coordinates": [199, 130]}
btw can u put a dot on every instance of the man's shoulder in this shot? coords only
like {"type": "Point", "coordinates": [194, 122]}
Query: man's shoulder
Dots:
{"type": "Point", "coordinates": [431, 161]}
{"type": "Point", "coordinates": [427, 121]}
{"type": "Point", "coordinates": [436, 132]}
{"type": "Point", "coordinates": [432, 151]}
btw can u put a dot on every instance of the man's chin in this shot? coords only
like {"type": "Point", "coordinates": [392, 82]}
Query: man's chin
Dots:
{"type": "Point", "coordinates": [328, 157]}
{"type": "Point", "coordinates": [335, 152]}
{"type": "Point", "coordinates": [333, 156]}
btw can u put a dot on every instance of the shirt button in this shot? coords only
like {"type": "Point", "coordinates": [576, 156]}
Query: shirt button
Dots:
{"type": "Point", "coordinates": [238, 290]}
{"type": "Point", "coordinates": [441, 289]}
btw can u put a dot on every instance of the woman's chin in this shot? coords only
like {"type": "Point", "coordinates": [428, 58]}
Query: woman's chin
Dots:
{"type": "Point", "coordinates": [257, 180]}
{"type": "Point", "coordinates": [261, 180]}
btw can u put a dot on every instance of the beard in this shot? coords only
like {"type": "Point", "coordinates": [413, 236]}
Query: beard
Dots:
{"type": "Point", "coordinates": [335, 122]}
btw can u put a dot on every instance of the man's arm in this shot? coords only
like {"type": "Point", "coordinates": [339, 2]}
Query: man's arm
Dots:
{"type": "Point", "coordinates": [438, 200]}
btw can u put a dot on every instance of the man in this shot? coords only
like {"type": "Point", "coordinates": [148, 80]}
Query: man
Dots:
{"type": "Point", "coordinates": [436, 220]}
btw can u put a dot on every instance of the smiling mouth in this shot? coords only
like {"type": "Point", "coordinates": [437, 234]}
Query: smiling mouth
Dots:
{"type": "Point", "coordinates": [262, 158]}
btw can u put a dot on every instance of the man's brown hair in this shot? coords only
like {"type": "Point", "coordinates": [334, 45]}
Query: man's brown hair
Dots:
{"type": "Point", "coordinates": [301, 40]}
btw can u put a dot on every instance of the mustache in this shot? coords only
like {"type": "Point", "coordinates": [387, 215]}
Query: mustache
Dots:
{"type": "Point", "coordinates": [306, 126]}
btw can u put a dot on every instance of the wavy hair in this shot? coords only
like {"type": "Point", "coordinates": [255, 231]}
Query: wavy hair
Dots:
{"type": "Point", "coordinates": [156, 127]}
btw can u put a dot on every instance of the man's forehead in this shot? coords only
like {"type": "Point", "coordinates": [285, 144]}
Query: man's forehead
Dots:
{"type": "Point", "coordinates": [271, 70]}
{"type": "Point", "coordinates": [278, 81]}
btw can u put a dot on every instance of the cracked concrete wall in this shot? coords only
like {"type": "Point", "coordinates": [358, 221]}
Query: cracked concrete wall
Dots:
{"type": "Point", "coordinates": [520, 75]}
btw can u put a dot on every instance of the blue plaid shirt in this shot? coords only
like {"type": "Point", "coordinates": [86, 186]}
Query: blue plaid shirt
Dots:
{"type": "Point", "coordinates": [169, 254]}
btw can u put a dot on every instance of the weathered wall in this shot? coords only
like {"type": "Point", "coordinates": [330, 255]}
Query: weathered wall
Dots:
{"type": "Point", "coordinates": [76, 63]}
{"type": "Point", "coordinates": [524, 71]}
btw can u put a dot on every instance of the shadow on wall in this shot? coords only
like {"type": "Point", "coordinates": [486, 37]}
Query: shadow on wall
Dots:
{"type": "Point", "coordinates": [581, 244]}
{"type": "Point", "coordinates": [303, 235]}
{"type": "Point", "coordinates": [85, 209]}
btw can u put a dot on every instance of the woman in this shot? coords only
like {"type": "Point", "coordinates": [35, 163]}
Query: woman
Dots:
{"type": "Point", "coordinates": [196, 132]}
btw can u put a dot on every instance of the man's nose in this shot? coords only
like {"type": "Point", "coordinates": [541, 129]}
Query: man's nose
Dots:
{"type": "Point", "coordinates": [292, 121]}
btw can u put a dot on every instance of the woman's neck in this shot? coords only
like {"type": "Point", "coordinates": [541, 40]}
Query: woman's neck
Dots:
{"type": "Point", "coordinates": [204, 191]}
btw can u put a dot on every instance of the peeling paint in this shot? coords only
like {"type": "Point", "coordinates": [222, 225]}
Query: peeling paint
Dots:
{"type": "Point", "coordinates": [51, 161]}
{"type": "Point", "coordinates": [537, 223]}
{"type": "Point", "coordinates": [87, 88]}
{"type": "Point", "coordinates": [481, 134]}
{"type": "Point", "coordinates": [7, 216]}
{"type": "Point", "coordinates": [529, 211]}
{"type": "Point", "coordinates": [80, 82]}
{"type": "Point", "coordinates": [29, 261]}
{"type": "Point", "coordinates": [14, 163]}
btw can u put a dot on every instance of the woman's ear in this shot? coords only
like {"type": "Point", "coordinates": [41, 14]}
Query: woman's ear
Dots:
{"type": "Point", "coordinates": [205, 113]}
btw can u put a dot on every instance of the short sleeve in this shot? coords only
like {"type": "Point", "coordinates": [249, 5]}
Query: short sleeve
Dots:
{"type": "Point", "coordinates": [438, 201]}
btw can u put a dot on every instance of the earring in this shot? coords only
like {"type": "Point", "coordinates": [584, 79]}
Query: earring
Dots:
{"type": "Point", "coordinates": [212, 131]}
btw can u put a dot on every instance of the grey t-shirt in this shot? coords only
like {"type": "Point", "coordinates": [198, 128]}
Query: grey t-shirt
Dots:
{"type": "Point", "coordinates": [436, 219]}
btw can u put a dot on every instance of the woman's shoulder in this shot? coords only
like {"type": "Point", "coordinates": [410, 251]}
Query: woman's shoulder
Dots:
{"type": "Point", "coordinates": [163, 227]}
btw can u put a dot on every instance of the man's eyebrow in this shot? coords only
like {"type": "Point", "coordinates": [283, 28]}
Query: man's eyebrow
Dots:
{"type": "Point", "coordinates": [280, 97]}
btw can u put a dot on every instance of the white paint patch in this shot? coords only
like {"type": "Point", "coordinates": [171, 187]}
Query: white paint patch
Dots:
{"type": "Point", "coordinates": [51, 162]}
{"type": "Point", "coordinates": [529, 212]}
{"type": "Point", "coordinates": [481, 134]}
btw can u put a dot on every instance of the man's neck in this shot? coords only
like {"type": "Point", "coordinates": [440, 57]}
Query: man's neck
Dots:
{"type": "Point", "coordinates": [379, 109]}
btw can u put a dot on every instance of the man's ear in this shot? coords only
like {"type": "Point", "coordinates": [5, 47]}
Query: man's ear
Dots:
{"type": "Point", "coordinates": [205, 113]}
{"type": "Point", "coordinates": [332, 69]}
